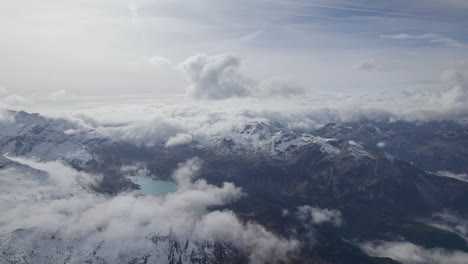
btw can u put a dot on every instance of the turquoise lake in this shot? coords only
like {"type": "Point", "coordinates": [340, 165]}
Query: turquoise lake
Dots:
{"type": "Point", "coordinates": [153, 187]}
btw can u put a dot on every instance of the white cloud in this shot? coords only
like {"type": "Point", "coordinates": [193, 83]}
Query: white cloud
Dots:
{"type": "Point", "coordinates": [58, 95]}
{"type": "Point", "coordinates": [3, 91]}
{"type": "Point", "coordinates": [60, 206]}
{"type": "Point", "coordinates": [178, 139]}
{"type": "Point", "coordinates": [381, 145]}
{"type": "Point", "coordinates": [267, 247]}
{"type": "Point", "coordinates": [409, 253]}
{"type": "Point", "coordinates": [218, 77]}
{"type": "Point", "coordinates": [450, 42]}
{"type": "Point", "coordinates": [279, 88]}
{"type": "Point", "coordinates": [215, 77]}
{"type": "Point", "coordinates": [458, 176]}
{"type": "Point", "coordinates": [157, 122]}
{"type": "Point", "coordinates": [317, 216]}
{"type": "Point", "coordinates": [409, 36]}
{"type": "Point", "coordinates": [449, 221]}
{"type": "Point", "coordinates": [157, 61]}
{"type": "Point", "coordinates": [15, 101]}
{"type": "Point", "coordinates": [433, 38]}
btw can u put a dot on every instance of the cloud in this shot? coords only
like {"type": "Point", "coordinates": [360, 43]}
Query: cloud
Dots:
{"type": "Point", "coordinates": [159, 122]}
{"type": "Point", "coordinates": [178, 139]}
{"type": "Point", "coordinates": [409, 253]}
{"type": "Point", "coordinates": [157, 61]}
{"type": "Point", "coordinates": [58, 208]}
{"type": "Point", "coordinates": [450, 42]}
{"type": "Point", "coordinates": [279, 88]}
{"type": "Point", "coordinates": [3, 91]}
{"type": "Point", "coordinates": [267, 247]}
{"type": "Point", "coordinates": [433, 38]}
{"type": "Point", "coordinates": [458, 176]}
{"type": "Point", "coordinates": [369, 65]}
{"type": "Point", "coordinates": [317, 216]}
{"type": "Point", "coordinates": [215, 77]}
{"type": "Point", "coordinates": [58, 95]}
{"type": "Point", "coordinates": [449, 221]}
{"type": "Point", "coordinates": [15, 101]}
{"type": "Point", "coordinates": [409, 36]}
{"type": "Point", "coordinates": [381, 145]}
{"type": "Point", "coordinates": [218, 76]}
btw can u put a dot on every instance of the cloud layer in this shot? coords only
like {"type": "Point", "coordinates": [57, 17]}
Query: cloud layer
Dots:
{"type": "Point", "coordinates": [60, 203]}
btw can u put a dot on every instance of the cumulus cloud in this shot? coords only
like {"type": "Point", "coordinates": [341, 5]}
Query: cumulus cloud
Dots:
{"type": "Point", "coordinates": [409, 253]}
{"type": "Point", "coordinates": [178, 139]}
{"type": "Point", "coordinates": [215, 77]}
{"type": "Point", "coordinates": [219, 77]}
{"type": "Point", "coordinates": [453, 100]}
{"type": "Point", "coordinates": [56, 207]}
{"type": "Point", "coordinates": [317, 216]}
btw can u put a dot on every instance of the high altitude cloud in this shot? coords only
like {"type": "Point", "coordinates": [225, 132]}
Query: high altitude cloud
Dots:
{"type": "Point", "coordinates": [409, 253]}
{"type": "Point", "coordinates": [433, 38]}
{"type": "Point", "coordinates": [57, 208]}
{"type": "Point", "coordinates": [218, 77]}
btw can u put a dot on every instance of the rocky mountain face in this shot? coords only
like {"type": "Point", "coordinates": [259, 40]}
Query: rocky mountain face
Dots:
{"type": "Point", "coordinates": [431, 146]}
{"type": "Point", "coordinates": [376, 174]}
{"type": "Point", "coordinates": [34, 136]}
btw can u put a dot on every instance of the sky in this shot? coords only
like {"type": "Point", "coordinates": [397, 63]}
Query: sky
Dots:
{"type": "Point", "coordinates": [134, 48]}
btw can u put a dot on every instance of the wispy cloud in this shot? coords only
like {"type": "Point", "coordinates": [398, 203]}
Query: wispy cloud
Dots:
{"type": "Point", "coordinates": [371, 64]}
{"type": "Point", "coordinates": [458, 176]}
{"type": "Point", "coordinates": [409, 253]}
{"type": "Point", "coordinates": [449, 221]}
{"type": "Point", "coordinates": [432, 38]}
{"type": "Point", "coordinates": [335, 7]}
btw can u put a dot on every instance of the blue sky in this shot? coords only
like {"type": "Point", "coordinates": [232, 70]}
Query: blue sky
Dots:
{"type": "Point", "coordinates": [93, 48]}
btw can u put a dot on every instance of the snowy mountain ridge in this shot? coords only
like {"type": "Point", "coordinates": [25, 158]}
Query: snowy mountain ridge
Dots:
{"type": "Point", "coordinates": [274, 140]}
